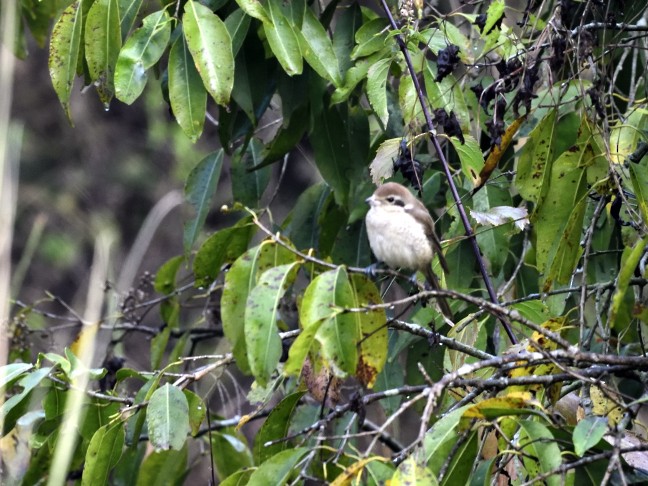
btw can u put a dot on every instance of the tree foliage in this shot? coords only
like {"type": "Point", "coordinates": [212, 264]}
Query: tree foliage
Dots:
{"type": "Point", "coordinates": [522, 126]}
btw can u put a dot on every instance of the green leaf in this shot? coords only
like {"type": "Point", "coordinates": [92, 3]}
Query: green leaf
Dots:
{"type": "Point", "coordinates": [303, 227]}
{"type": "Point", "coordinates": [27, 383]}
{"type": "Point", "coordinates": [165, 278]}
{"type": "Point", "coordinates": [230, 454]}
{"type": "Point", "coordinates": [237, 24]}
{"type": "Point", "coordinates": [567, 184]}
{"type": "Point", "coordinates": [128, 10]}
{"type": "Point", "coordinates": [168, 418]}
{"type": "Point", "coordinates": [339, 332]}
{"type": "Point", "coordinates": [199, 189]}
{"type": "Point", "coordinates": [441, 434]}
{"type": "Point", "coordinates": [536, 158]}
{"type": "Point", "coordinates": [254, 8]}
{"type": "Point", "coordinates": [373, 325]}
{"type": "Point", "coordinates": [625, 135]}
{"type": "Point", "coordinates": [629, 262]}
{"type": "Point", "coordinates": [65, 45]}
{"type": "Point", "coordinates": [541, 453]}
{"type": "Point", "coordinates": [278, 468]}
{"type": "Point", "coordinates": [163, 468]}
{"type": "Point", "coordinates": [102, 44]}
{"type": "Point", "coordinates": [211, 48]}
{"type": "Point", "coordinates": [239, 281]}
{"type": "Point", "coordinates": [11, 372]}
{"type": "Point", "coordinates": [249, 185]}
{"type": "Point", "coordinates": [447, 94]}
{"type": "Point", "coordinates": [283, 40]}
{"type": "Point", "coordinates": [276, 426]}
{"type": "Point", "coordinates": [186, 90]}
{"type": "Point", "coordinates": [457, 472]}
{"type": "Point", "coordinates": [197, 411]}
{"type": "Point", "coordinates": [470, 155]}
{"type": "Point", "coordinates": [410, 472]}
{"type": "Point", "coordinates": [377, 88]}
{"type": "Point", "coordinates": [261, 316]}
{"type": "Point", "coordinates": [493, 14]}
{"type": "Point", "coordinates": [346, 25]}
{"type": "Point", "coordinates": [639, 179]}
{"type": "Point", "coordinates": [494, 242]}
{"type": "Point", "coordinates": [103, 453]}
{"type": "Point", "coordinates": [141, 51]}
{"type": "Point", "coordinates": [223, 246]}
{"type": "Point", "coordinates": [370, 38]}
{"type": "Point", "coordinates": [588, 432]}
{"type": "Point", "coordinates": [317, 49]}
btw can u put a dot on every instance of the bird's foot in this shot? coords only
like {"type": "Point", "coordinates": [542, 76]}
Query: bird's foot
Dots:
{"type": "Point", "coordinates": [370, 271]}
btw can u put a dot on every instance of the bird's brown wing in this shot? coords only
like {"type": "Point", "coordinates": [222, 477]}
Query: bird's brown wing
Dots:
{"type": "Point", "coordinates": [420, 212]}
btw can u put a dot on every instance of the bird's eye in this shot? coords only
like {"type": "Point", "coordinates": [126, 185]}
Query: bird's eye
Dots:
{"type": "Point", "coordinates": [390, 199]}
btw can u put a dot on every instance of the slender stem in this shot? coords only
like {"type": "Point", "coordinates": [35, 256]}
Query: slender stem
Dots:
{"type": "Point", "coordinates": [446, 168]}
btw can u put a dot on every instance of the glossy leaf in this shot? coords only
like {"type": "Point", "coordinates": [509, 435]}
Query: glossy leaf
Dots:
{"type": "Point", "coordinates": [249, 185]}
{"type": "Point", "coordinates": [197, 411]}
{"type": "Point", "coordinates": [276, 426]}
{"type": "Point", "coordinates": [199, 190]}
{"type": "Point", "coordinates": [65, 45]}
{"type": "Point", "coordinates": [457, 472]}
{"type": "Point", "coordinates": [102, 45]}
{"type": "Point", "coordinates": [377, 88]}
{"type": "Point", "coordinates": [241, 278]}
{"type": "Point", "coordinates": [222, 247]}
{"type": "Point", "coordinates": [163, 467]}
{"type": "Point", "coordinates": [211, 48]}
{"type": "Point", "coordinates": [104, 451]}
{"type": "Point", "coordinates": [168, 418]}
{"type": "Point", "coordinates": [370, 38]}
{"type": "Point", "coordinates": [470, 155]}
{"type": "Point", "coordinates": [443, 434]}
{"type": "Point", "coordinates": [283, 40]}
{"type": "Point", "coordinates": [165, 277]}
{"type": "Point", "coordinates": [625, 135]}
{"type": "Point", "coordinates": [141, 51]}
{"type": "Point", "coordinates": [639, 179]}
{"type": "Point", "coordinates": [230, 453]}
{"type": "Point", "coordinates": [278, 468]}
{"type": "Point", "coordinates": [317, 49]}
{"type": "Point", "coordinates": [11, 372]}
{"type": "Point", "coordinates": [587, 433]}
{"type": "Point", "coordinates": [261, 316]}
{"type": "Point", "coordinates": [254, 8]}
{"type": "Point", "coordinates": [187, 93]}
{"type": "Point", "coordinates": [237, 24]}
{"type": "Point", "coordinates": [128, 10]}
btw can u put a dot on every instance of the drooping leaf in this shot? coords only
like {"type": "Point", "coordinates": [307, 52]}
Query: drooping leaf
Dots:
{"type": "Point", "coordinates": [255, 8]}
{"type": "Point", "coordinates": [102, 45]}
{"type": "Point", "coordinates": [223, 246]}
{"type": "Point", "coordinates": [588, 432]}
{"type": "Point", "coordinates": [241, 278]}
{"type": "Point", "coordinates": [230, 453]}
{"type": "Point", "coordinates": [370, 38]}
{"type": "Point", "coordinates": [283, 40]}
{"type": "Point", "coordinates": [249, 185]}
{"type": "Point", "coordinates": [536, 159]}
{"type": "Point", "coordinates": [278, 468]}
{"type": "Point", "coordinates": [64, 51]}
{"type": "Point", "coordinates": [197, 411]}
{"type": "Point", "coordinates": [317, 49]}
{"type": "Point", "coordinates": [199, 190]}
{"type": "Point", "coordinates": [261, 315]}
{"type": "Point", "coordinates": [104, 451]}
{"type": "Point", "coordinates": [141, 51]}
{"type": "Point", "coordinates": [276, 426]}
{"type": "Point", "coordinates": [629, 263]}
{"type": "Point", "coordinates": [186, 90]}
{"type": "Point", "coordinates": [128, 10]}
{"type": "Point", "coordinates": [541, 452]}
{"type": "Point", "coordinates": [470, 155]}
{"type": "Point", "coordinates": [377, 88]}
{"type": "Point", "coordinates": [211, 48]}
{"type": "Point", "coordinates": [411, 472]}
{"type": "Point", "coordinates": [168, 418]}
{"type": "Point", "coordinates": [162, 467]}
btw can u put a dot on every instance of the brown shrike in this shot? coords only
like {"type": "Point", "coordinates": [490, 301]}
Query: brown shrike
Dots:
{"type": "Point", "coordinates": [401, 234]}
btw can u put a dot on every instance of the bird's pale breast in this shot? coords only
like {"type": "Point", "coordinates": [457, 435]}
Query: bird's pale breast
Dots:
{"type": "Point", "coordinates": [397, 239]}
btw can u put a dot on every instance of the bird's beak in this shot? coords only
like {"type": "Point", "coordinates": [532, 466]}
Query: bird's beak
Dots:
{"type": "Point", "coordinates": [370, 200]}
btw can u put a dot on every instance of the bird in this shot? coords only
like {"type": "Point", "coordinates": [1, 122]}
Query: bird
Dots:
{"type": "Point", "coordinates": [401, 234]}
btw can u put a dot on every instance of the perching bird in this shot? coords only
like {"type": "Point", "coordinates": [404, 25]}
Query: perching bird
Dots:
{"type": "Point", "coordinates": [401, 234]}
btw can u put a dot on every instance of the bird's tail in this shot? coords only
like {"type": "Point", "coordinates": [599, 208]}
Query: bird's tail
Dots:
{"type": "Point", "coordinates": [433, 283]}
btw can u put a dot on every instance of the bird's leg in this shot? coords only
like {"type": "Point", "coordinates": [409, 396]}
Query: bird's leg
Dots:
{"type": "Point", "coordinates": [370, 270]}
